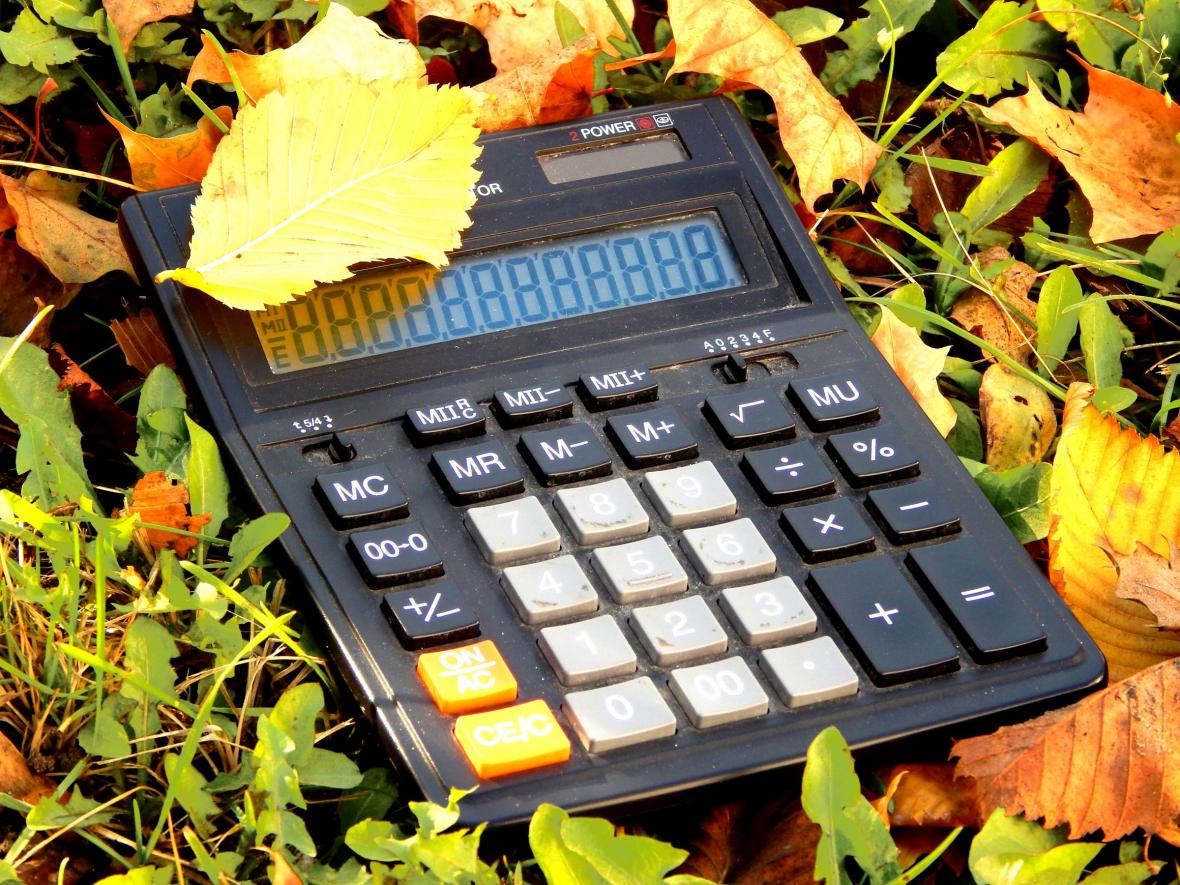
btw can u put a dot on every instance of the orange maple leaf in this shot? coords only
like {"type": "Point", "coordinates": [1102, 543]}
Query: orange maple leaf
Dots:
{"type": "Point", "coordinates": [553, 88]}
{"type": "Point", "coordinates": [1121, 150]}
{"type": "Point", "coordinates": [918, 366]}
{"type": "Point", "coordinates": [163, 502]}
{"type": "Point", "coordinates": [169, 162]}
{"type": "Point", "coordinates": [733, 40]}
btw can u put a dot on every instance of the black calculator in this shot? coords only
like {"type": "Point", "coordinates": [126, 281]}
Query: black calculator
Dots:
{"type": "Point", "coordinates": [622, 502]}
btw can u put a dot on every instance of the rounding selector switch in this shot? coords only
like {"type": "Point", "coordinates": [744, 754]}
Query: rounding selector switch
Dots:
{"type": "Point", "coordinates": [340, 448]}
{"type": "Point", "coordinates": [736, 368]}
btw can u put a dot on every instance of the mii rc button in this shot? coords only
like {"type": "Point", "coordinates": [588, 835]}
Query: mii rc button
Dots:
{"type": "Point", "coordinates": [514, 739]}
{"type": "Point", "coordinates": [471, 677]}
{"type": "Point", "coordinates": [440, 422]}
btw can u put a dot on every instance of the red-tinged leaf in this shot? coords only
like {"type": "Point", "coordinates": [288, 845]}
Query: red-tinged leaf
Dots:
{"type": "Point", "coordinates": [553, 88]}
{"type": "Point", "coordinates": [102, 422]}
{"type": "Point", "coordinates": [129, 16]}
{"type": "Point", "coordinates": [142, 341]}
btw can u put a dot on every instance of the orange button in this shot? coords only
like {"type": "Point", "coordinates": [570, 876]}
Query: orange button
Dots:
{"type": "Point", "coordinates": [467, 678]}
{"type": "Point", "coordinates": [514, 739]}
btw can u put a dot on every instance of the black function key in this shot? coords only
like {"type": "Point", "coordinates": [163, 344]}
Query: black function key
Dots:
{"type": "Point", "coordinates": [365, 494]}
{"type": "Point", "coordinates": [978, 600]}
{"type": "Point", "coordinates": [833, 400]}
{"type": "Point", "coordinates": [565, 454]}
{"type": "Point", "coordinates": [828, 530]}
{"type": "Point", "coordinates": [620, 387]}
{"type": "Point", "coordinates": [788, 473]}
{"type": "Point", "coordinates": [747, 419]}
{"type": "Point", "coordinates": [430, 616]}
{"type": "Point", "coordinates": [655, 436]}
{"type": "Point", "coordinates": [532, 405]}
{"type": "Point", "coordinates": [914, 511]}
{"type": "Point", "coordinates": [440, 422]}
{"type": "Point", "coordinates": [873, 455]}
{"type": "Point", "coordinates": [477, 473]}
{"type": "Point", "coordinates": [897, 637]}
{"type": "Point", "coordinates": [396, 555]}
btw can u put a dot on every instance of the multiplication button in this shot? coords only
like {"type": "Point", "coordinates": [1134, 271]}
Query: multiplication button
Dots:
{"type": "Point", "coordinates": [431, 616]}
{"type": "Point", "coordinates": [365, 494]}
{"type": "Point", "coordinates": [565, 454]}
{"type": "Point", "coordinates": [874, 455]}
{"type": "Point", "coordinates": [747, 419]}
{"type": "Point", "coordinates": [616, 716]}
{"type": "Point", "coordinates": [655, 436]}
{"type": "Point", "coordinates": [395, 555]}
{"type": "Point", "coordinates": [788, 473]}
{"type": "Point", "coordinates": [828, 530]}
{"type": "Point", "coordinates": [476, 473]}
{"type": "Point", "coordinates": [833, 400]}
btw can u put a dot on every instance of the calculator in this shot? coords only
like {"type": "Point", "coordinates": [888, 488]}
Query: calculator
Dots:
{"type": "Point", "coordinates": [622, 502]}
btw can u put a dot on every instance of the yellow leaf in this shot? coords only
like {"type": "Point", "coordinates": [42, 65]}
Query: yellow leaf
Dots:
{"type": "Point", "coordinates": [733, 40]}
{"type": "Point", "coordinates": [170, 162]}
{"type": "Point", "coordinates": [1018, 418]}
{"type": "Point", "coordinates": [1111, 490]}
{"type": "Point", "coordinates": [343, 45]}
{"type": "Point", "coordinates": [555, 87]}
{"type": "Point", "coordinates": [918, 366]}
{"type": "Point", "coordinates": [330, 175]}
{"type": "Point", "coordinates": [521, 31]}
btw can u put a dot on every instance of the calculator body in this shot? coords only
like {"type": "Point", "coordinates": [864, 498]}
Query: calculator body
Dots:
{"type": "Point", "coordinates": [424, 432]}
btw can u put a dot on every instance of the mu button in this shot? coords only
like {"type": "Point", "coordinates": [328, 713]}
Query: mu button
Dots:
{"type": "Point", "coordinates": [514, 739]}
{"type": "Point", "coordinates": [833, 400]}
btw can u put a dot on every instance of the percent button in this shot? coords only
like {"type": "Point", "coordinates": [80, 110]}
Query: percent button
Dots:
{"type": "Point", "coordinates": [871, 456]}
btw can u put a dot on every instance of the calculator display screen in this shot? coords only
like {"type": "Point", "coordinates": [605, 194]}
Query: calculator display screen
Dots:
{"type": "Point", "coordinates": [537, 282]}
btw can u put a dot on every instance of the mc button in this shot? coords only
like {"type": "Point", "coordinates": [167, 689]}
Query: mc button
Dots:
{"type": "Point", "coordinates": [365, 494]}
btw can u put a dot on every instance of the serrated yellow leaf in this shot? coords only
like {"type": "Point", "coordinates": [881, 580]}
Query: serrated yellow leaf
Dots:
{"type": "Point", "coordinates": [918, 366]}
{"type": "Point", "coordinates": [330, 175]}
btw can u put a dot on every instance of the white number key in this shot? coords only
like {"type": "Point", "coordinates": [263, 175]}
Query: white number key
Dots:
{"type": "Point", "coordinates": [679, 631]}
{"type": "Point", "coordinates": [619, 715]}
{"type": "Point", "coordinates": [728, 552]}
{"type": "Point", "coordinates": [768, 612]}
{"type": "Point", "coordinates": [691, 495]}
{"type": "Point", "coordinates": [513, 530]}
{"type": "Point", "coordinates": [549, 590]}
{"type": "Point", "coordinates": [719, 693]}
{"type": "Point", "coordinates": [605, 511]}
{"type": "Point", "coordinates": [639, 570]}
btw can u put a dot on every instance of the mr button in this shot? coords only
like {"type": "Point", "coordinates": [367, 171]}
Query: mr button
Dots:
{"type": "Point", "coordinates": [476, 473]}
{"type": "Point", "coordinates": [366, 494]}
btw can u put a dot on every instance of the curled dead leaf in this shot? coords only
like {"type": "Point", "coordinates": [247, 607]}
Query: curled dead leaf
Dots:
{"type": "Point", "coordinates": [17, 779]}
{"type": "Point", "coordinates": [1121, 149]}
{"type": "Point", "coordinates": [731, 39]}
{"type": "Point", "coordinates": [1005, 317]}
{"type": "Point", "coordinates": [102, 422]}
{"type": "Point", "coordinates": [1019, 423]}
{"type": "Point", "coordinates": [918, 366]}
{"type": "Point", "coordinates": [163, 502]}
{"type": "Point", "coordinates": [170, 162]}
{"type": "Point", "coordinates": [142, 341]}
{"type": "Point", "coordinates": [129, 16]}
{"type": "Point", "coordinates": [755, 843]}
{"type": "Point", "coordinates": [555, 87]}
{"type": "Point", "coordinates": [25, 287]}
{"type": "Point", "coordinates": [927, 794]}
{"type": "Point", "coordinates": [1152, 579]}
{"type": "Point", "coordinates": [1106, 763]}
{"type": "Point", "coordinates": [1111, 490]}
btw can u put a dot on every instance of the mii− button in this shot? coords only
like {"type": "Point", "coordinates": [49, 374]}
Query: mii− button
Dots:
{"type": "Point", "coordinates": [833, 400]}
{"type": "Point", "coordinates": [365, 494]}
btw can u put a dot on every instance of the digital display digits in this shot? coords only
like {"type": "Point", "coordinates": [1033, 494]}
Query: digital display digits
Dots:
{"type": "Point", "coordinates": [538, 282]}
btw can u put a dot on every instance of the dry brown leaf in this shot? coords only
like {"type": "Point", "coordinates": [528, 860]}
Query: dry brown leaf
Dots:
{"type": "Point", "coordinates": [1107, 763]}
{"type": "Point", "coordinates": [73, 245]}
{"type": "Point", "coordinates": [128, 16]}
{"type": "Point", "coordinates": [1121, 149]}
{"type": "Point", "coordinates": [25, 287]}
{"type": "Point", "coordinates": [1017, 416]}
{"type": "Point", "coordinates": [7, 216]}
{"type": "Point", "coordinates": [733, 40]}
{"type": "Point", "coordinates": [1004, 318]}
{"type": "Point", "coordinates": [16, 779]}
{"type": "Point", "coordinates": [713, 852]}
{"type": "Point", "coordinates": [142, 341]}
{"type": "Point", "coordinates": [162, 502]}
{"type": "Point", "coordinates": [1110, 490]}
{"type": "Point", "coordinates": [918, 366]}
{"type": "Point", "coordinates": [102, 422]}
{"type": "Point", "coordinates": [1153, 580]}
{"type": "Point", "coordinates": [555, 87]}
{"type": "Point", "coordinates": [881, 803]}
{"type": "Point", "coordinates": [343, 45]}
{"type": "Point", "coordinates": [520, 31]}
{"type": "Point", "coordinates": [170, 162]}
{"type": "Point", "coordinates": [927, 794]}
{"type": "Point", "coordinates": [754, 844]}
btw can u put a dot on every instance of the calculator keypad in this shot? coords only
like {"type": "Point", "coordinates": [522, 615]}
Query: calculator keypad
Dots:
{"type": "Point", "coordinates": [679, 631]}
{"type": "Point", "coordinates": [651, 437]}
{"type": "Point", "coordinates": [587, 651]}
{"type": "Point", "coordinates": [640, 570]}
{"type": "Point", "coordinates": [728, 552]}
{"type": "Point", "coordinates": [547, 591]}
{"type": "Point", "coordinates": [435, 615]}
{"type": "Point", "coordinates": [399, 554]}
{"type": "Point", "coordinates": [809, 672]}
{"type": "Point", "coordinates": [565, 454]}
{"type": "Point", "coordinates": [619, 715]}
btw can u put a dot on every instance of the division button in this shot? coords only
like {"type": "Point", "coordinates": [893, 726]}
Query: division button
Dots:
{"type": "Point", "coordinates": [477, 473]}
{"type": "Point", "coordinates": [690, 495]}
{"type": "Point", "coordinates": [565, 454]}
{"type": "Point", "coordinates": [519, 738]}
{"type": "Point", "coordinates": [788, 473]}
{"type": "Point", "coordinates": [979, 601]}
{"type": "Point", "coordinates": [833, 400]}
{"type": "Point", "coordinates": [620, 715]}
{"type": "Point", "coordinates": [619, 387]}
{"type": "Point", "coordinates": [897, 637]}
{"type": "Point", "coordinates": [679, 631]}
{"type": "Point", "coordinates": [719, 693]}
{"type": "Point", "coordinates": [731, 551]}
{"type": "Point", "coordinates": [655, 436]}
{"type": "Point", "coordinates": [395, 555]}
{"type": "Point", "coordinates": [640, 570]}
{"type": "Point", "coordinates": [604, 511]}
{"type": "Point", "coordinates": [769, 612]}
{"type": "Point", "coordinates": [809, 672]}
{"type": "Point", "coordinates": [470, 677]}
{"type": "Point", "coordinates": [748, 418]}
{"type": "Point", "coordinates": [360, 495]}
{"type": "Point", "coordinates": [430, 616]}
{"type": "Point", "coordinates": [828, 530]}
{"type": "Point", "coordinates": [914, 511]}
{"type": "Point", "coordinates": [586, 651]}
{"type": "Point", "coordinates": [439, 422]}
{"type": "Point", "coordinates": [513, 530]}
{"type": "Point", "coordinates": [531, 405]}
{"type": "Point", "coordinates": [549, 591]}
{"type": "Point", "coordinates": [873, 455]}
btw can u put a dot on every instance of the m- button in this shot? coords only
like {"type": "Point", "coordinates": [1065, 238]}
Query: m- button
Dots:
{"type": "Point", "coordinates": [365, 494]}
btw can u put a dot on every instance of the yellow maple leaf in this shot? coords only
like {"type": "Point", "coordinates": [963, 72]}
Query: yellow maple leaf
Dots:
{"type": "Point", "coordinates": [327, 175]}
{"type": "Point", "coordinates": [918, 366]}
{"type": "Point", "coordinates": [733, 40]}
{"type": "Point", "coordinates": [1111, 491]}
